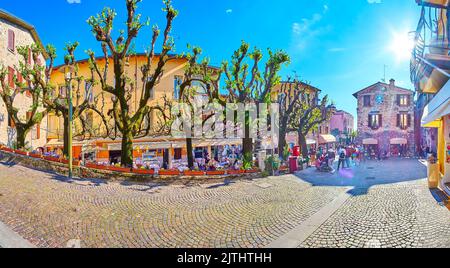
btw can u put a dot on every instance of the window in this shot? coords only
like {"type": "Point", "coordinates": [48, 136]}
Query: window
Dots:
{"type": "Point", "coordinates": [403, 100]}
{"type": "Point", "coordinates": [11, 72]}
{"type": "Point", "coordinates": [88, 92]}
{"type": "Point", "coordinates": [177, 153]}
{"type": "Point", "coordinates": [178, 80]}
{"type": "Point", "coordinates": [404, 121]}
{"type": "Point", "coordinates": [11, 41]}
{"type": "Point", "coordinates": [375, 121]}
{"type": "Point", "coordinates": [366, 101]}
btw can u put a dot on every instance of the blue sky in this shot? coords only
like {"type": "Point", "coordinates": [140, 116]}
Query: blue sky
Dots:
{"type": "Point", "coordinates": [339, 46]}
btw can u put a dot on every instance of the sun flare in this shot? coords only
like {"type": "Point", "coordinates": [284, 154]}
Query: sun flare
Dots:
{"type": "Point", "coordinates": [401, 46]}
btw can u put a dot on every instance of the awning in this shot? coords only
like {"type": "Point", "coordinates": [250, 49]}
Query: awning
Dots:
{"type": "Point", "coordinates": [398, 141]}
{"type": "Point", "coordinates": [310, 142]}
{"type": "Point", "coordinates": [154, 145]}
{"type": "Point", "coordinates": [370, 141]}
{"type": "Point", "coordinates": [323, 139]}
{"type": "Point", "coordinates": [438, 107]}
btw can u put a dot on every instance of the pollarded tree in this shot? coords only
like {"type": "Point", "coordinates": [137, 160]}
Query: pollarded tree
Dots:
{"type": "Point", "coordinates": [307, 115]}
{"type": "Point", "coordinates": [23, 79]}
{"type": "Point", "coordinates": [291, 93]}
{"type": "Point", "coordinates": [246, 83]}
{"type": "Point", "coordinates": [57, 100]}
{"type": "Point", "coordinates": [127, 122]}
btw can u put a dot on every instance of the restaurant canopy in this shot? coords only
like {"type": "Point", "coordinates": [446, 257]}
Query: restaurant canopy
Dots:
{"type": "Point", "coordinates": [323, 139]}
{"type": "Point", "coordinates": [370, 141]}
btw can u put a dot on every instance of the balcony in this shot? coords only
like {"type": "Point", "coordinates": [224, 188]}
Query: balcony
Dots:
{"type": "Point", "coordinates": [430, 61]}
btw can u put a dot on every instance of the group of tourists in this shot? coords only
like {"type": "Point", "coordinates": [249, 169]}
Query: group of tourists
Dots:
{"type": "Point", "coordinates": [346, 157]}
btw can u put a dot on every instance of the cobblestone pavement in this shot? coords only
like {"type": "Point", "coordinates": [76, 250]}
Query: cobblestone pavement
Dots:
{"type": "Point", "coordinates": [402, 215]}
{"type": "Point", "coordinates": [50, 211]}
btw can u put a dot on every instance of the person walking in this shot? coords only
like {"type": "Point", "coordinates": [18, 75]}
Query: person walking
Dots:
{"type": "Point", "coordinates": [341, 161]}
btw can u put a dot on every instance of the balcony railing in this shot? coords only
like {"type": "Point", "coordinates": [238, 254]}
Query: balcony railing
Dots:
{"type": "Point", "coordinates": [431, 37]}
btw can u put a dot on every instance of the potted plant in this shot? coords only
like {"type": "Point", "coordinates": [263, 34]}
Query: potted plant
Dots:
{"type": "Point", "coordinates": [144, 171]}
{"type": "Point", "coordinates": [19, 152]}
{"type": "Point", "coordinates": [51, 158]}
{"type": "Point", "coordinates": [235, 172]}
{"type": "Point", "coordinates": [174, 172]}
{"type": "Point", "coordinates": [215, 172]}
{"type": "Point", "coordinates": [194, 173]}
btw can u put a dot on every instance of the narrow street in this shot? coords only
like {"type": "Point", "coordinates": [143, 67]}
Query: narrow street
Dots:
{"type": "Point", "coordinates": [379, 204]}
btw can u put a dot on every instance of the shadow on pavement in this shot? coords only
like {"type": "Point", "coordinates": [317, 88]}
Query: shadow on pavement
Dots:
{"type": "Point", "coordinates": [368, 174]}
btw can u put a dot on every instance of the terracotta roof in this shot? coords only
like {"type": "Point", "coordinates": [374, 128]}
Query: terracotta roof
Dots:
{"type": "Point", "coordinates": [17, 21]}
{"type": "Point", "coordinates": [380, 83]}
{"type": "Point", "coordinates": [304, 84]}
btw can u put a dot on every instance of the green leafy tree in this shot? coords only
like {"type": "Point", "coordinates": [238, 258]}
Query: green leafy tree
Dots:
{"type": "Point", "coordinates": [307, 115]}
{"type": "Point", "coordinates": [28, 78]}
{"type": "Point", "coordinates": [128, 123]}
{"type": "Point", "coordinates": [246, 83]}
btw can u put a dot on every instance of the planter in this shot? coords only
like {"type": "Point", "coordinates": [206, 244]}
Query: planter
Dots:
{"type": "Point", "coordinates": [95, 166]}
{"type": "Point", "coordinates": [215, 173]}
{"type": "Point", "coordinates": [434, 175]}
{"type": "Point", "coordinates": [144, 171]}
{"type": "Point", "coordinates": [169, 173]}
{"type": "Point", "coordinates": [51, 159]}
{"type": "Point", "coordinates": [194, 173]}
{"type": "Point", "coordinates": [35, 155]}
{"type": "Point", "coordinates": [119, 169]}
{"type": "Point", "coordinates": [235, 172]}
{"type": "Point", "coordinates": [21, 152]}
{"type": "Point", "coordinates": [7, 149]}
{"type": "Point", "coordinates": [252, 171]}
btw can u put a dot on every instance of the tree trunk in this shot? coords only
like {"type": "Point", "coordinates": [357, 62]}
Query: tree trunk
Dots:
{"type": "Point", "coordinates": [21, 137]}
{"type": "Point", "coordinates": [282, 140]}
{"type": "Point", "coordinates": [247, 144]}
{"type": "Point", "coordinates": [303, 144]}
{"type": "Point", "coordinates": [190, 153]}
{"type": "Point", "coordinates": [66, 137]}
{"type": "Point", "coordinates": [127, 149]}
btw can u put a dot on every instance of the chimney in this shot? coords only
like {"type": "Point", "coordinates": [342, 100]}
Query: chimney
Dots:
{"type": "Point", "coordinates": [392, 82]}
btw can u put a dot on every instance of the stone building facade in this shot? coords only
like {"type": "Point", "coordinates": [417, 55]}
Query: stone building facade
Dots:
{"type": "Point", "coordinates": [14, 33]}
{"type": "Point", "coordinates": [386, 118]}
{"type": "Point", "coordinates": [342, 125]}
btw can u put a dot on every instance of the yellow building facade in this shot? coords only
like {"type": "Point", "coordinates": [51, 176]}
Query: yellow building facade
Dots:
{"type": "Point", "coordinates": [430, 72]}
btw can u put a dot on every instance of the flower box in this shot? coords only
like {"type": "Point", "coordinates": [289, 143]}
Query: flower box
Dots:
{"type": "Point", "coordinates": [51, 159]}
{"type": "Point", "coordinates": [6, 149]}
{"type": "Point", "coordinates": [119, 169]}
{"type": "Point", "coordinates": [35, 155]}
{"type": "Point", "coordinates": [21, 152]}
{"type": "Point", "coordinates": [235, 172]}
{"type": "Point", "coordinates": [194, 173]}
{"type": "Point", "coordinates": [95, 166]}
{"type": "Point", "coordinates": [252, 171]}
{"type": "Point", "coordinates": [144, 171]}
{"type": "Point", "coordinates": [215, 173]}
{"type": "Point", "coordinates": [169, 173]}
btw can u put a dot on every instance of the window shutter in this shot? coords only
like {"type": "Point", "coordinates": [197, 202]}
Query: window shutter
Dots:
{"type": "Point", "coordinates": [11, 123]}
{"type": "Point", "coordinates": [381, 121]}
{"type": "Point", "coordinates": [398, 120]}
{"type": "Point", "coordinates": [409, 120]}
{"type": "Point", "coordinates": [29, 56]}
{"type": "Point", "coordinates": [409, 100]}
{"type": "Point", "coordinates": [38, 131]}
{"type": "Point", "coordinates": [11, 77]}
{"type": "Point", "coordinates": [11, 40]}
{"type": "Point", "coordinates": [370, 121]}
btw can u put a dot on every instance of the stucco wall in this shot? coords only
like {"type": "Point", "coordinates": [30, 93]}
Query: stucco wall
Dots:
{"type": "Point", "coordinates": [10, 59]}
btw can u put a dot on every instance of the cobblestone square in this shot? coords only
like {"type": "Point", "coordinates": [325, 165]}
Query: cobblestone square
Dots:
{"type": "Point", "coordinates": [50, 211]}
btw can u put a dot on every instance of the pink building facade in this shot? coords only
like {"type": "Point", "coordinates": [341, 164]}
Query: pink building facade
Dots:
{"type": "Point", "coordinates": [342, 124]}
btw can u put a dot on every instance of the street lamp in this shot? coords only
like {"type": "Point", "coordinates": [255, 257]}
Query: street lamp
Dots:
{"type": "Point", "coordinates": [68, 70]}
